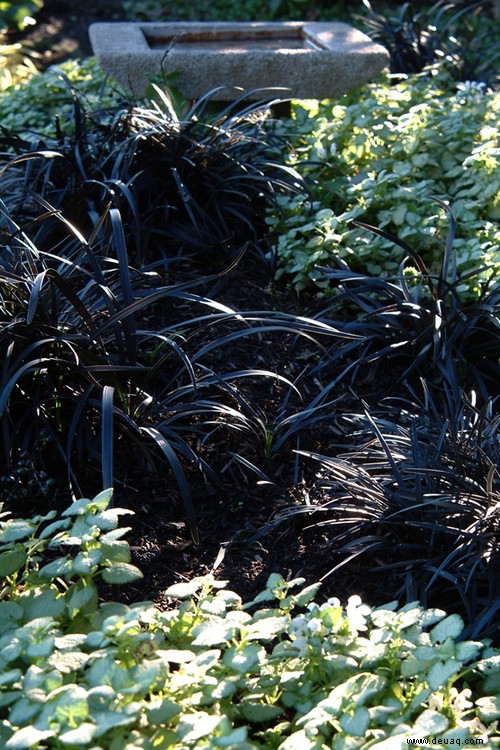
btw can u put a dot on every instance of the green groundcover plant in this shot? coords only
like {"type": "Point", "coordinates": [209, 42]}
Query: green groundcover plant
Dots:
{"type": "Point", "coordinates": [34, 105]}
{"type": "Point", "coordinates": [242, 10]}
{"type": "Point", "coordinates": [381, 156]}
{"type": "Point", "coordinates": [282, 671]}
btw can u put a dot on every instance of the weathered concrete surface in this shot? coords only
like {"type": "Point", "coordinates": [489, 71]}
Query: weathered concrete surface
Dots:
{"type": "Point", "coordinates": [309, 60]}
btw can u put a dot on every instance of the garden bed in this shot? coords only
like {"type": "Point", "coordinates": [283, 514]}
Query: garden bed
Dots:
{"type": "Point", "coordinates": [277, 341]}
{"type": "Point", "coordinates": [231, 513]}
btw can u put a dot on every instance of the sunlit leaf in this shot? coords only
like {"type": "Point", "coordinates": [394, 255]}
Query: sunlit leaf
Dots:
{"type": "Point", "coordinates": [121, 573]}
{"type": "Point", "coordinates": [183, 590]}
{"type": "Point", "coordinates": [489, 708]}
{"type": "Point", "coordinates": [82, 735]}
{"type": "Point", "coordinates": [14, 530]}
{"type": "Point", "coordinates": [28, 737]}
{"type": "Point", "coordinates": [356, 723]}
{"type": "Point", "coordinates": [450, 627]}
{"type": "Point", "coordinates": [162, 710]}
{"type": "Point", "coordinates": [245, 658]}
{"type": "Point", "coordinates": [192, 727]}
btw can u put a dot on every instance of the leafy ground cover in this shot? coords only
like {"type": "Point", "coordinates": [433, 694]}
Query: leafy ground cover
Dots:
{"type": "Point", "coordinates": [425, 139]}
{"type": "Point", "coordinates": [255, 403]}
{"type": "Point", "coordinates": [281, 671]}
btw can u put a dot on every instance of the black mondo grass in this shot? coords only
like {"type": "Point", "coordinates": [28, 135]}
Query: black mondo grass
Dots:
{"type": "Point", "coordinates": [417, 498]}
{"type": "Point", "coordinates": [101, 359]}
{"type": "Point", "coordinates": [418, 37]}
{"type": "Point", "coordinates": [421, 320]}
{"type": "Point", "coordinates": [196, 186]}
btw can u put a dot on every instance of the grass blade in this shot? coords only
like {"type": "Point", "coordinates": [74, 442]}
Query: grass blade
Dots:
{"type": "Point", "coordinates": [107, 437]}
{"type": "Point", "coordinates": [180, 477]}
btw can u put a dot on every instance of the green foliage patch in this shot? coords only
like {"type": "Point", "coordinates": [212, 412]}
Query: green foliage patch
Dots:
{"type": "Point", "coordinates": [35, 105]}
{"type": "Point", "coordinates": [17, 14]}
{"type": "Point", "coordinates": [281, 672]}
{"type": "Point", "coordinates": [381, 155]}
{"type": "Point", "coordinates": [242, 10]}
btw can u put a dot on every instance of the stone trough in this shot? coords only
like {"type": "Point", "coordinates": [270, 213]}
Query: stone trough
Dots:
{"type": "Point", "coordinates": [304, 60]}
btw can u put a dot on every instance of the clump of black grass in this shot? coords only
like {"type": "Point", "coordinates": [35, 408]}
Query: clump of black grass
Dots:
{"type": "Point", "coordinates": [450, 33]}
{"type": "Point", "coordinates": [417, 499]}
{"type": "Point", "coordinates": [101, 358]}
{"type": "Point", "coordinates": [192, 185]}
{"type": "Point", "coordinates": [420, 322]}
